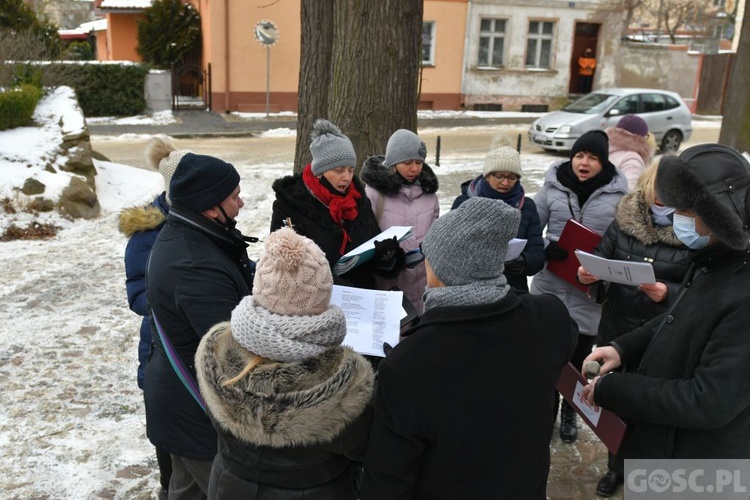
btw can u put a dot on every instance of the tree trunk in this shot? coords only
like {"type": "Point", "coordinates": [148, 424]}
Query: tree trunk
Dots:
{"type": "Point", "coordinates": [314, 73]}
{"type": "Point", "coordinates": [735, 126]}
{"type": "Point", "coordinates": [371, 87]}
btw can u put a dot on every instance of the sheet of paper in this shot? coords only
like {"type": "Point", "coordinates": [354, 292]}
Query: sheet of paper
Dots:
{"type": "Point", "coordinates": [617, 271]}
{"type": "Point", "coordinates": [398, 231]}
{"type": "Point", "coordinates": [515, 247]}
{"type": "Point", "coordinates": [372, 317]}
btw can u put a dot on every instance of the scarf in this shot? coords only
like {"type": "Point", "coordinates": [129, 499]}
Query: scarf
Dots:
{"type": "Point", "coordinates": [585, 189]}
{"type": "Point", "coordinates": [471, 294]}
{"type": "Point", "coordinates": [480, 187]}
{"type": "Point", "coordinates": [341, 206]}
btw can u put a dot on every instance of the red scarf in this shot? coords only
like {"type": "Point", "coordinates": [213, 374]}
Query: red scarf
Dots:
{"type": "Point", "coordinates": [341, 208]}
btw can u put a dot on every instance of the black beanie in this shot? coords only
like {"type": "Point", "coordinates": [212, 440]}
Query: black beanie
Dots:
{"type": "Point", "coordinates": [595, 142]}
{"type": "Point", "coordinates": [202, 182]}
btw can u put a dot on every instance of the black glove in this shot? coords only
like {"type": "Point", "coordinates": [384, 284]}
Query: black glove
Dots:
{"type": "Point", "coordinates": [389, 258]}
{"type": "Point", "coordinates": [555, 252]}
{"type": "Point", "coordinates": [516, 266]}
{"type": "Point", "coordinates": [387, 348]}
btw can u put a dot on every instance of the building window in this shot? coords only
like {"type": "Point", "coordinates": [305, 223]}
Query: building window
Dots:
{"type": "Point", "coordinates": [539, 44]}
{"type": "Point", "coordinates": [491, 42]}
{"type": "Point", "coordinates": [428, 43]}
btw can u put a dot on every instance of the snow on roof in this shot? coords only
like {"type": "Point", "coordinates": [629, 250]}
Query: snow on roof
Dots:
{"type": "Point", "coordinates": [125, 4]}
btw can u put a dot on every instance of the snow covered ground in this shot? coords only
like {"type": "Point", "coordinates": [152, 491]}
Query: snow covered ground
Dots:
{"type": "Point", "coordinates": [71, 423]}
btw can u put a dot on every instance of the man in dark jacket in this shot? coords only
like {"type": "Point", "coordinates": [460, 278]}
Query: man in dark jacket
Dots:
{"type": "Point", "coordinates": [197, 273]}
{"type": "Point", "coordinates": [687, 393]}
{"type": "Point", "coordinates": [464, 403]}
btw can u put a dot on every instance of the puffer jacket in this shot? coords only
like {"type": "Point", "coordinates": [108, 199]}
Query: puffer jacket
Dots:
{"type": "Point", "coordinates": [557, 204]}
{"type": "Point", "coordinates": [312, 219]}
{"type": "Point", "coordinates": [141, 225]}
{"type": "Point", "coordinates": [414, 205]}
{"type": "Point", "coordinates": [287, 430]}
{"type": "Point", "coordinates": [630, 153]}
{"type": "Point", "coordinates": [633, 236]}
{"type": "Point", "coordinates": [530, 230]}
{"type": "Point", "coordinates": [688, 395]}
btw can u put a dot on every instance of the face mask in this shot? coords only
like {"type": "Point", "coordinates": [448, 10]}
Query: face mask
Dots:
{"type": "Point", "coordinates": [684, 229]}
{"type": "Point", "coordinates": [662, 215]}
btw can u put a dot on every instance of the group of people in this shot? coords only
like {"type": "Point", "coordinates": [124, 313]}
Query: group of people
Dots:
{"type": "Point", "coordinates": [250, 394]}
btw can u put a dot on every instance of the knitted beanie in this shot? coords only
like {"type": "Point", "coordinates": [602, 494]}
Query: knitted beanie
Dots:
{"type": "Point", "coordinates": [201, 182]}
{"type": "Point", "coordinates": [330, 148]}
{"type": "Point", "coordinates": [595, 142]}
{"type": "Point", "coordinates": [161, 154]}
{"type": "Point", "coordinates": [288, 317]}
{"type": "Point", "coordinates": [293, 276]}
{"type": "Point", "coordinates": [633, 124]}
{"type": "Point", "coordinates": [469, 244]}
{"type": "Point", "coordinates": [502, 159]}
{"type": "Point", "coordinates": [403, 146]}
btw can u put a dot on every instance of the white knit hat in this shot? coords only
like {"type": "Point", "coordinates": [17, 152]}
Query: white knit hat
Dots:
{"type": "Point", "coordinates": [502, 159]}
{"type": "Point", "coordinates": [161, 154]}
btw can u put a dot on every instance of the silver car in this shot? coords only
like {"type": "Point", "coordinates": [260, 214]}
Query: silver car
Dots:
{"type": "Point", "coordinates": [668, 117]}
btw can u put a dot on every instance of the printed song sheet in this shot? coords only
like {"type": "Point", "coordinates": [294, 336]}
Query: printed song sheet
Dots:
{"type": "Point", "coordinates": [372, 317]}
{"type": "Point", "coordinates": [515, 247]}
{"type": "Point", "coordinates": [617, 271]}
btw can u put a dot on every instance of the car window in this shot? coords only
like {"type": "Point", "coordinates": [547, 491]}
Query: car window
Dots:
{"type": "Point", "coordinates": [590, 104]}
{"type": "Point", "coordinates": [671, 102]}
{"type": "Point", "coordinates": [626, 105]}
{"type": "Point", "coordinates": [653, 103]}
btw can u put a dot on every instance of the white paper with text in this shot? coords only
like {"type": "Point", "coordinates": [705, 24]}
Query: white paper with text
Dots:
{"type": "Point", "coordinates": [617, 271]}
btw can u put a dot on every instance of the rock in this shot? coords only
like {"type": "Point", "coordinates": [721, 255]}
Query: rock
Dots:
{"type": "Point", "coordinates": [32, 186]}
{"type": "Point", "coordinates": [41, 204]}
{"type": "Point", "coordinates": [79, 200]}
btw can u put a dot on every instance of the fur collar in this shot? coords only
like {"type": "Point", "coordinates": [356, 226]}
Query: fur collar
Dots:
{"type": "Point", "coordinates": [282, 404]}
{"type": "Point", "coordinates": [622, 140]}
{"type": "Point", "coordinates": [138, 219]}
{"type": "Point", "coordinates": [633, 215]}
{"type": "Point", "coordinates": [381, 178]}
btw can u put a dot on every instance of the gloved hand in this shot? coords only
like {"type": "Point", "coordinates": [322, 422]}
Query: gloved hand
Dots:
{"type": "Point", "coordinates": [516, 266]}
{"type": "Point", "coordinates": [553, 251]}
{"type": "Point", "coordinates": [389, 258]}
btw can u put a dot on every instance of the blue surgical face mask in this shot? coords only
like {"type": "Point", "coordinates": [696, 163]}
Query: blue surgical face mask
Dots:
{"type": "Point", "coordinates": [684, 229]}
{"type": "Point", "coordinates": [662, 215]}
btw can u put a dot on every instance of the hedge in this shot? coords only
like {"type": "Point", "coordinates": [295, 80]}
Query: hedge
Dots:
{"type": "Point", "coordinates": [107, 89]}
{"type": "Point", "coordinates": [17, 106]}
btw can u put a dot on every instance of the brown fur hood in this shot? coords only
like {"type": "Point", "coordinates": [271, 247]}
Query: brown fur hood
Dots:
{"type": "Point", "coordinates": [138, 219]}
{"type": "Point", "coordinates": [282, 404]}
{"type": "Point", "coordinates": [633, 215]}
{"type": "Point", "coordinates": [622, 140]}
{"type": "Point", "coordinates": [375, 174]}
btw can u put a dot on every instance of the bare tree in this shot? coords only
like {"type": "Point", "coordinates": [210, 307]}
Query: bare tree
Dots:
{"type": "Point", "coordinates": [735, 127]}
{"type": "Point", "coordinates": [369, 86]}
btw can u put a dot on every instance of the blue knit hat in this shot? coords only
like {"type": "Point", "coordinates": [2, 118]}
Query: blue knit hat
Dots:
{"type": "Point", "coordinates": [202, 182]}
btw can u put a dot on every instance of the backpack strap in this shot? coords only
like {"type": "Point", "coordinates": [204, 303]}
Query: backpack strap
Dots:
{"type": "Point", "coordinates": [379, 207]}
{"type": "Point", "coordinates": [178, 366]}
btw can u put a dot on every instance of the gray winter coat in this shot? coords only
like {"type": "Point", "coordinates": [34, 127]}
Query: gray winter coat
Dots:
{"type": "Point", "coordinates": [556, 204]}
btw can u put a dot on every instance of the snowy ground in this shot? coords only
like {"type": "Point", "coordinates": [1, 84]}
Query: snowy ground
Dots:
{"type": "Point", "coordinates": [72, 424]}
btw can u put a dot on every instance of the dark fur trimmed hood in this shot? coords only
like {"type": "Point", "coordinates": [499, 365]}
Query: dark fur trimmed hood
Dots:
{"type": "Point", "coordinates": [714, 181]}
{"type": "Point", "coordinates": [633, 215]}
{"type": "Point", "coordinates": [282, 404]}
{"type": "Point", "coordinates": [620, 140]}
{"type": "Point", "coordinates": [375, 174]}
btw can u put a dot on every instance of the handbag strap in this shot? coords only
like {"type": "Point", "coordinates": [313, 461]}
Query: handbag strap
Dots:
{"type": "Point", "coordinates": [178, 366]}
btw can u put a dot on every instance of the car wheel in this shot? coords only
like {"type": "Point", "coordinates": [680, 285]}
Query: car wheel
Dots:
{"type": "Point", "coordinates": [671, 141]}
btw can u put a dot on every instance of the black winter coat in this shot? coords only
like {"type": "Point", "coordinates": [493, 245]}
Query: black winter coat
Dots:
{"type": "Point", "coordinates": [197, 273]}
{"type": "Point", "coordinates": [312, 219]}
{"type": "Point", "coordinates": [530, 230]}
{"type": "Point", "coordinates": [690, 394]}
{"type": "Point", "coordinates": [633, 236]}
{"type": "Point", "coordinates": [463, 406]}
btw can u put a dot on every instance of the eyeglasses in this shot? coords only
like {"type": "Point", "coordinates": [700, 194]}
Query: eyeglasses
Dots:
{"type": "Point", "coordinates": [502, 177]}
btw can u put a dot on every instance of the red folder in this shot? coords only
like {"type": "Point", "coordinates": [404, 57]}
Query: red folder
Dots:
{"type": "Point", "coordinates": [604, 423]}
{"type": "Point", "coordinates": [575, 236]}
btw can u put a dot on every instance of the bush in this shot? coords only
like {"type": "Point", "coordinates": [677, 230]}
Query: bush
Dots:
{"type": "Point", "coordinates": [109, 89]}
{"type": "Point", "coordinates": [17, 106]}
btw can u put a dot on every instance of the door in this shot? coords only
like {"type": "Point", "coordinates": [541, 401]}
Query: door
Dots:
{"type": "Point", "coordinates": [586, 37]}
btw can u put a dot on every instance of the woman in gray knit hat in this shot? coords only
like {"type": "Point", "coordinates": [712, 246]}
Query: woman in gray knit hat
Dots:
{"type": "Point", "coordinates": [501, 180]}
{"type": "Point", "coordinates": [290, 404]}
{"type": "Point", "coordinates": [326, 203]}
{"type": "Point", "coordinates": [401, 188]}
